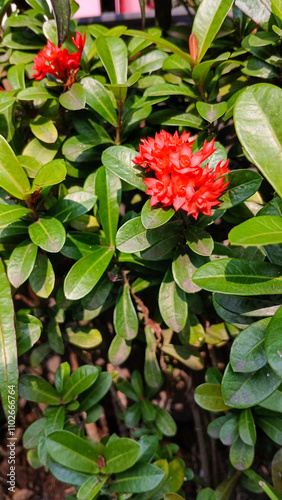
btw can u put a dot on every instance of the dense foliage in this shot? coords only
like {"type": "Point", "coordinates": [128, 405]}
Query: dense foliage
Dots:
{"type": "Point", "coordinates": [127, 240]}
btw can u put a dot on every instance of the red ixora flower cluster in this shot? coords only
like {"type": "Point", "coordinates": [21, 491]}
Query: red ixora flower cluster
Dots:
{"type": "Point", "coordinates": [59, 62]}
{"type": "Point", "coordinates": [179, 178]}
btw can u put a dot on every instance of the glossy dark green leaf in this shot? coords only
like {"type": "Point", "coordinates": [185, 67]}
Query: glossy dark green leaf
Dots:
{"type": "Point", "coordinates": [273, 402]}
{"type": "Point", "coordinates": [44, 130]}
{"type": "Point", "coordinates": [32, 434]}
{"type": "Point", "coordinates": [86, 272]}
{"type": "Point", "coordinates": [48, 233]}
{"type": "Point", "coordinates": [242, 185]}
{"type": "Point", "coordinates": [134, 237]}
{"type": "Point", "coordinates": [12, 176]}
{"type": "Point", "coordinates": [118, 159]}
{"type": "Point", "coordinates": [199, 241]}
{"type": "Point", "coordinates": [140, 478]}
{"type": "Point", "coordinates": [91, 488]}
{"type": "Point", "coordinates": [6, 102]}
{"type": "Point", "coordinates": [240, 277]}
{"type": "Point", "coordinates": [211, 112]}
{"type": "Point", "coordinates": [37, 389]}
{"type": "Point", "coordinates": [146, 63]}
{"type": "Point", "coordinates": [154, 217]}
{"type": "Point", "coordinates": [255, 123]}
{"type": "Point", "coordinates": [242, 390]}
{"type": "Point", "coordinates": [49, 174]}
{"type": "Point", "coordinates": [125, 317]}
{"type": "Point", "coordinates": [73, 99]}
{"type": "Point", "coordinates": [62, 12]}
{"type": "Point", "coordinates": [172, 303]}
{"type": "Point", "coordinates": [172, 118]}
{"type": "Point", "coordinates": [96, 392]}
{"type": "Point", "coordinates": [80, 148]}
{"type": "Point", "coordinates": [55, 420]}
{"type": "Point", "coordinates": [8, 346]}
{"type": "Point", "coordinates": [98, 98]}
{"type": "Point", "coordinates": [120, 455]}
{"type": "Point", "coordinates": [208, 20]}
{"type": "Point", "coordinates": [80, 380]}
{"type": "Point", "coordinates": [72, 451]}
{"type": "Point", "coordinates": [247, 352]}
{"type": "Point", "coordinates": [42, 277]}
{"type": "Point", "coordinates": [241, 454]}
{"type": "Point", "coordinates": [168, 89]}
{"type": "Point", "coordinates": [113, 54]}
{"type": "Point", "coordinates": [209, 397]}
{"type": "Point", "coordinates": [205, 494]}
{"type": "Point", "coordinates": [73, 205]}
{"type": "Point", "coordinates": [28, 330]}
{"type": "Point", "coordinates": [247, 428]}
{"type": "Point", "coordinates": [108, 190]}
{"type": "Point", "coordinates": [261, 230]}
{"type": "Point", "coordinates": [21, 262]}
{"type": "Point", "coordinates": [273, 345]}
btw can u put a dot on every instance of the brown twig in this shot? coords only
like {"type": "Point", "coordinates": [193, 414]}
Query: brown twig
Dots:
{"type": "Point", "coordinates": [201, 443]}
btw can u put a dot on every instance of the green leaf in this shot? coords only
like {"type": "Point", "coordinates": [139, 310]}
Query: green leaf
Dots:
{"type": "Point", "coordinates": [172, 118]}
{"type": "Point", "coordinates": [199, 241]}
{"type": "Point", "coordinates": [86, 272]}
{"type": "Point", "coordinates": [34, 94]}
{"type": "Point", "coordinates": [21, 262]}
{"type": "Point", "coordinates": [49, 174]}
{"type": "Point", "coordinates": [84, 337]}
{"type": "Point", "coordinates": [108, 190]}
{"type": "Point", "coordinates": [96, 392]}
{"type": "Point", "coordinates": [37, 389]}
{"type": "Point", "coordinates": [28, 330]}
{"type": "Point", "coordinates": [125, 317]}
{"type": "Point", "coordinates": [98, 98]}
{"type": "Point", "coordinates": [74, 99]}
{"type": "Point", "coordinates": [241, 454]}
{"type": "Point", "coordinates": [12, 176]}
{"type": "Point", "coordinates": [48, 233]}
{"type": "Point", "coordinates": [33, 433]}
{"type": "Point", "coordinates": [154, 217]}
{"type": "Point", "coordinates": [42, 278]}
{"type": "Point", "coordinates": [70, 207]}
{"type": "Point", "coordinates": [118, 159]}
{"type": "Point", "coordinates": [90, 489]}
{"type": "Point", "coordinates": [80, 380]}
{"type": "Point", "coordinates": [255, 124]}
{"type": "Point", "coordinates": [242, 185]}
{"type": "Point", "coordinates": [62, 12]}
{"type": "Point", "coordinates": [152, 372]}
{"type": "Point", "coordinates": [184, 265]}
{"type": "Point", "coordinates": [120, 455]}
{"type": "Point", "coordinates": [206, 494]}
{"type": "Point", "coordinates": [276, 468]}
{"type": "Point", "coordinates": [211, 112]}
{"type": "Point", "coordinates": [239, 277]}
{"type": "Point", "coordinates": [44, 129]}
{"type": "Point", "coordinates": [55, 338]}
{"type": "Point", "coordinates": [172, 303]}
{"type": "Point", "coordinates": [242, 390]}
{"type": "Point", "coordinates": [273, 402]}
{"type": "Point", "coordinates": [185, 354]}
{"type": "Point", "coordinates": [273, 343]}
{"type": "Point", "coordinates": [165, 422]}
{"type": "Point", "coordinates": [11, 213]}
{"type": "Point", "coordinates": [140, 478]}
{"type": "Point", "coordinates": [247, 351]}
{"type": "Point", "coordinates": [209, 397]}
{"type": "Point", "coordinates": [113, 54]}
{"type": "Point", "coordinates": [167, 89]}
{"type": "Point", "coordinates": [229, 430]}
{"type": "Point", "coordinates": [247, 428]}
{"type": "Point", "coordinates": [8, 347]}
{"type": "Point", "coordinates": [73, 452]}
{"type": "Point", "coordinates": [207, 22]}
{"type": "Point", "coordinates": [134, 237]}
{"type": "Point", "coordinates": [119, 350]}
{"type": "Point", "coordinates": [261, 230]}
{"type": "Point", "coordinates": [146, 63]}
{"type": "Point", "coordinates": [55, 420]}
{"type": "Point", "coordinates": [6, 102]}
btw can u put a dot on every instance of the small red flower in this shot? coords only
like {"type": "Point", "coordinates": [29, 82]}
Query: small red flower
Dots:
{"type": "Point", "coordinates": [59, 62]}
{"type": "Point", "coordinates": [180, 180]}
